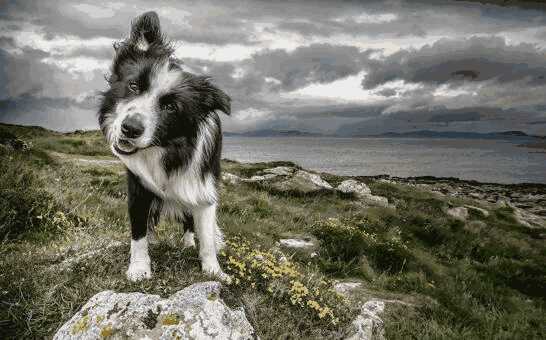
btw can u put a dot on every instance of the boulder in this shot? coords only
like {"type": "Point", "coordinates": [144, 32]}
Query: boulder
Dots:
{"type": "Point", "coordinates": [280, 171]}
{"type": "Point", "coordinates": [231, 178]}
{"type": "Point", "coordinates": [196, 312]}
{"type": "Point", "coordinates": [363, 192]}
{"type": "Point", "coordinates": [303, 182]}
{"type": "Point", "coordinates": [458, 213]}
{"type": "Point", "coordinates": [379, 201]}
{"type": "Point", "coordinates": [368, 325]}
{"type": "Point", "coordinates": [354, 187]}
{"type": "Point", "coordinates": [258, 178]}
{"type": "Point", "coordinates": [296, 243]}
{"type": "Point", "coordinates": [346, 287]}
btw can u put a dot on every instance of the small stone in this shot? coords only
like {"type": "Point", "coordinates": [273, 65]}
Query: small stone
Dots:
{"type": "Point", "coordinates": [346, 287]}
{"type": "Point", "coordinates": [458, 213]}
{"type": "Point", "coordinates": [296, 243]}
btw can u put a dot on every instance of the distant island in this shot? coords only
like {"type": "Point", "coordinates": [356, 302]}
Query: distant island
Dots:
{"type": "Point", "coordinates": [506, 135]}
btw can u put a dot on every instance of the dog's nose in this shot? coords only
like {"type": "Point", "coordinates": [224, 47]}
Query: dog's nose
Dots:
{"type": "Point", "coordinates": [132, 127]}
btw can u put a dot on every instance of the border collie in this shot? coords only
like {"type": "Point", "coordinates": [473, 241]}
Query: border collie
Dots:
{"type": "Point", "coordinates": [161, 122]}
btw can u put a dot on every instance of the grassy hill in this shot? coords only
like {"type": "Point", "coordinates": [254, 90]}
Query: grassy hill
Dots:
{"type": "Point", "coordinates": [65, 237]}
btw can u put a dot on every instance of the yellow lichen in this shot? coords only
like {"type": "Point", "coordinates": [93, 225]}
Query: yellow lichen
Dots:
{"type": "Point", "coordinates": [106, 331]}
{"type": "Point", "coordinates": [81, 325]}
{"type": "Point", "coordinates": [170, 319]}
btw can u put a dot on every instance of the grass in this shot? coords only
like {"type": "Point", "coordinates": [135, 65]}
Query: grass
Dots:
{"type": "Point", "coordinates": [63, 225]}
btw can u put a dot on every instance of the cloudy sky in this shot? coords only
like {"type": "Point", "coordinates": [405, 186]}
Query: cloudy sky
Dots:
{"type": "Point", "coordinates": [321, 66]}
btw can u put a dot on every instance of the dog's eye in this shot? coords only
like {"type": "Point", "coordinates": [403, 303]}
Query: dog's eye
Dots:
{"type": "Point", "coordinates": [133, 87]}
{"type": "Point", "coordinates": [169, 107]}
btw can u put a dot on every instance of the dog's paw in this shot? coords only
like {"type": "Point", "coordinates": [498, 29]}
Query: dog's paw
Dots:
{"type": "Point", "coordinates": [188, 240]}
{"type": "Point", "coordinates": [212, 268]}
{"type": "Point", "coordinates": [139, 271]}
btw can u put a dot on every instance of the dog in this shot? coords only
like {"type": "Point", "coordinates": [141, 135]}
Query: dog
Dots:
{"type": "Point", "coordinates": [162, 123]}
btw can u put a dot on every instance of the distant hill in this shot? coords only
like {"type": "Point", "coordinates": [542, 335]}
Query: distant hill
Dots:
{"type": "Point", "coordinates": [511, 135]}
{"type": "Point", "coordinates": [273, 133]}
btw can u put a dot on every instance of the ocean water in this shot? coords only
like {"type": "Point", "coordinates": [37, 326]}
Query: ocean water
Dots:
{"type": "Point", "coordinates": [482, 160]}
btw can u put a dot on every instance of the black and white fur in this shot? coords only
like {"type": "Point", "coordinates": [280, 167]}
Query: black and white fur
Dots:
{"type": "Point", "coordinates": [162, 124]}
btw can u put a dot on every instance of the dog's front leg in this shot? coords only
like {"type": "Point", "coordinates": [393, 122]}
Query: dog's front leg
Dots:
{"type": "Point", "coordinates": [142, 203]}
{"type": "Point", "coordinates": [205, 223]}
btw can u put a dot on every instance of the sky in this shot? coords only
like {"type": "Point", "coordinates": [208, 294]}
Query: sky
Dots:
{"type": "Point", "coordinates": [318, 66]}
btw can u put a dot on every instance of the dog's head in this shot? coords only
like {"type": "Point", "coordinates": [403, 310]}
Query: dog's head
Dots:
{"type": "Point", "coordinates": [151, 100]}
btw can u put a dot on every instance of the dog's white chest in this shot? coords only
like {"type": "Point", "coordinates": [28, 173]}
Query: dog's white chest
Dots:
{"type": "Point", "coordinates": [184, 186]}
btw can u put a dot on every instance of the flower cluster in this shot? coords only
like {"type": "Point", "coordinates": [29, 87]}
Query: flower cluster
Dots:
{"type": "Point", "coordinates": [271, 272]}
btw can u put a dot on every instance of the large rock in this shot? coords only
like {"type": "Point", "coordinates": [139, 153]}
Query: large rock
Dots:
{"type": "Point", "coordinates": [280, 171]}
{"type": "Point", "coordinates": [354, 187]}
{"type": "Point", "coordinates": [296, 243]}
{"type": "Point", "coordinates": [362, 192]}
{"type": "Point", "coordinates": [303, 182]}
{"type": "Point", "coordinates": [231, 178]}
{"type": "Point", "coordinates": [368, 325]}
{"type": "Point", "coordinates": [196, 312]}
{"type": "Point", "coordinates": [458, 213]}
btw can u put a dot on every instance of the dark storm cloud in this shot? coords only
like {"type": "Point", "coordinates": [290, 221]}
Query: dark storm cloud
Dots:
{"type": "Point", "coordinates": [318, 63]}
{"type": "Point", "coordinates": [454, 61]}
{"type": "Point", "coordinates": [59, 51]}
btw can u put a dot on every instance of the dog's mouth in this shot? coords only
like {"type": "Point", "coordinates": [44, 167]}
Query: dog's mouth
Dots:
{"type": "Point", "coordinates": [125, 147]}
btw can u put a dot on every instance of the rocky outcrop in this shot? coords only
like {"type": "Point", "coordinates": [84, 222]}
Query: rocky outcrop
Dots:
{"type": "Point", "coordinates": [458, 213]}
{"type": "Point", "coordinates": [280, 171]}
{"type": "Point", "coordinates": [354, 187]}
{"type": "Point", "coordinates": [296, 243]}
{"type": "Point", "coordinates": [196, 312]}
{"type": "Point", "coordinates": [368, 325]}
{"type": "Point", "coordinates": [231, 178]}
{"type": "Point", "coordinates": [303, 182]}
{"type": "Point", "coordinates": [362, 192]}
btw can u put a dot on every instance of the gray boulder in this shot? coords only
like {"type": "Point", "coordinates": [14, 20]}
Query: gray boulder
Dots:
{"type": "Point", "coordinates": [280, 171]}
{"type": "Point", "coordinates": [355, 187]}
{"type": "Point", "coordinates": [368, 325]}
{"type": "Point", "coordinates": [362, 192]}
{"type": "Point", "coordinates": [458, 213]}
{"type": "Point", "coordinates": [296, 243]}
{"type": "Point", "coordinates": [231, 178]}
{"type": "Point", "coordinates": [196, 312]}
{"type": "Point", "coordinates": [303, 182]}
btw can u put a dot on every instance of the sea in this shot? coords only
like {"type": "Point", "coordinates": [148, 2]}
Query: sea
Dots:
{"type": "Point", "coordinates": [483, 160]}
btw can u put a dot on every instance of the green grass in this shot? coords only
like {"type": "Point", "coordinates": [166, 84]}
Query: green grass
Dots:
{"type": "Point", "coordinates": [481, 279]}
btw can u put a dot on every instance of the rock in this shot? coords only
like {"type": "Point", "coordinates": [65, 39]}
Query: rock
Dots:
{"type": "Point", "coordinates": [352, 186]}
{"type": "Point", "coordinates": [363, 192]}
{"type": "Point", "coordinates": [346, 287]}
{"type": "Point", "coordinates": [196, 312]}
{"type": "Point", "coordinates": [260, 178]}
{"type": "Point", "coordinates": [375, 200]}
{"type": "Point", "coordinates": [528, 219]}
{"type": "Point", "coordinates": [368, 325]}
{"type": "Point", "coordinates": [15, 143]}
{"type": "Point", "coordinates": [458, 213]}
{"type": "Point", "coordinates": [296, 243]}
{"type": "Point", "coordinates": [482, 211]}
{"type": "Point", "coordinates": [303, 182]}
{"type": "Point", "coordinates": [280, 171]}
{"type": "Point", "coordinates": [231, 178]}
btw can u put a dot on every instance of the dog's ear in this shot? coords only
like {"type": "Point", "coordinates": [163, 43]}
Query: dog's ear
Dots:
{"type": "Point", "coordinates": [213, 98]}
{"type": "Point", "coordinates": [146, 31]}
